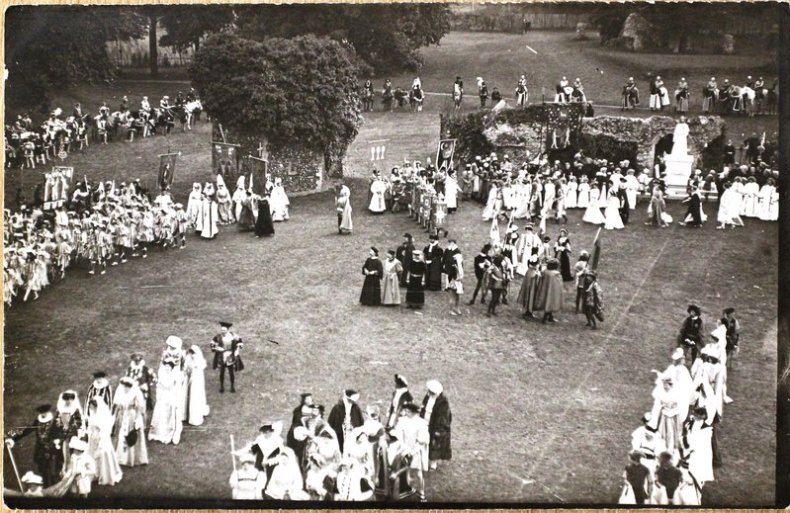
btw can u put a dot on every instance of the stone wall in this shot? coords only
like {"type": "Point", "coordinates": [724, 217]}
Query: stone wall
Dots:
{"type": "Point", "coordinates": [516, 131]}
{"type": "Point", "coordinates": [300, 170]}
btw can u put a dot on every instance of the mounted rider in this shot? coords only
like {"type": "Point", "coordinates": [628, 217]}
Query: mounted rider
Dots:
{"type": "Point", "coordinates": [521, 91]}
{"type": "Point", "coordinates": [656, 93]}
{"type": "Point", "coordinates": [682, 95]}
{"type": "Point", "coordinates": [563, 91]}
{"type": "Point", "coordinates": [759, 88]}
{"type": "Point", "coordinates": [179, 99]}
{"type": "Point", "coordinates": [124, 104]}
{"type": "Point", "coordinates": [710, 95]}
{"type": "Point", "coordinates": [192, 95]}
{"type": "Point", "coordinates": [104, 110]}
{"type": "Point", "coordinates": [145, 106]}
{"type": "Point", "coordinates": [578, 91]}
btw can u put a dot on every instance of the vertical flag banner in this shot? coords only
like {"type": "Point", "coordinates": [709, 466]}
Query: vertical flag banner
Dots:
{"type": "Point", "coordinates": [596, 254]}
{"type": "Point", "coordinates": [167, 168]}
{"type": "Point", "coordinates": [256, 169]}
{"type": "Point", "coordinates": [444, 154]}
{"type": "Point", "coordinates": [225, 161]}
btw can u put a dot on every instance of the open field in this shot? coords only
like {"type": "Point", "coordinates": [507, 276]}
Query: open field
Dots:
{"type": "Point", "coordinates": [552, 404]}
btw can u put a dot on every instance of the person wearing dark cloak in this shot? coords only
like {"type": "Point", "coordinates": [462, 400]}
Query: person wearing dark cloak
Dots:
{"type": "Point", "coordinates": [371, 288]}
{"type": "Point", "coordinates": [47, 454]}
{"type": "Point", "coordinates": [404, 254]}
{"type": "Point", "coordinates": [550, 291]}
{"type": "Point", "coordinates": [264, 225]}
{"type": "Point", "coordinates": [563, 252]}
{"type": "Point", "coordinates": [593, 300]}
{"type": "Point", "coordinates": [415, 291]}
{"type": "Point", "coordinates": [433, 260]}
{"type": "Point", "coordinates": [529, 286]}
{"type": "Point", "coordinates": [694, 212]}
{"type": "Point", "coordinates": [246, 219]}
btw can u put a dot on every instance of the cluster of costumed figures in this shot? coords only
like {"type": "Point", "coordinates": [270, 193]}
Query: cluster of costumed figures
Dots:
{"type": "Point", "coordinates": [353, 454]}
{"type": "Point", "coordinates": [212, 205]}
{"type": "Point", "coordinates": [75, 448]}
{"type": "Point", "coordinates": [674, 452]}
{"type": "Point", "coordinates": [100, 225]}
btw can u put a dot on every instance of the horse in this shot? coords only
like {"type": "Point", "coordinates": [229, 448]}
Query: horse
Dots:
{"type": "Point", "coordinates": [772, 99]}
{"type": "Point", "coordinates": [416, 98]}
{"type": "Point", "coordinates": [163, 118]}
{"type": "Point", "coordinates": [367, 99]}
{"type": "Point", "coordinates": [630, 97]}
{"type": "Point", "coordinates": [522, 95]}
{"type": "Point", "coordinates": [458, 95]}
{"type": "Point", "coordinates": [193, 110]}
{"type": "Point", "coordinates": [578, 96]}
{"type": "Point", "coordinates": [564, 93]}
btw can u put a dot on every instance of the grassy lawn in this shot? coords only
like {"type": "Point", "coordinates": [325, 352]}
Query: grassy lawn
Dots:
{"type": "Point", "coordinates": [554, 404]}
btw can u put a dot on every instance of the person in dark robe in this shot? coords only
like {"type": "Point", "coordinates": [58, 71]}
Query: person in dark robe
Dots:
{"type": "Point", "coordinates": [144, 376]}
{"type": "Point", "coordinates": [47, 455]}
{"type": "Point", "coordinates": [637, 475]}
{"type": "Point", "coordinates": [227, 348]}
{"type": "Point", "coordinates": [301, 415]}
{"type": "Point", "coordinates": [371, 288]}
{"type": "Point", "coordinates": [593, 300]}
{"type": "Point", "coordinates": [563, 252]}
{"type": "Point", "coordinates": [733, 334]}
{"type": "Point", "coordinates": [264, 225]}
{"type": "Point", "coordinates": [400, 396]}
{"type": "Point", "coordinates": [667, 475]}
{"type": "Point", "coordinates": [729, 153]}
{"type": "Point", "coordinates": [345, 416]}
{"type": "Point", "coordinates": [690, 337]}
{"type": "Point", "coordinates": [246, 220]}
{"type": "Point", "coordinates": [436, 412]}
{"type": "Point", "coordinates": [529, 287]}
{"type": "Point", "coordinates": [433, 260]}
{"type": "Point", "coordinates": [404, 254]}
{"type": "Point", "coordinates": [624, 206]}
{"type": "Point", "coordinates": [415, 291]}
{"type": "Point", "coordinates": [549, 294]}
{"type": "Point", "coordinates": [449, 265]}
{"type": "Point", "coordinates": [694, 212]}
{"type": "Point", "coordinates": [482, 262]}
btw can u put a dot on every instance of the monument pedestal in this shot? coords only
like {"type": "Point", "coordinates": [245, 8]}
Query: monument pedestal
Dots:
{"type": "Point", "coordinates": [678, 172]}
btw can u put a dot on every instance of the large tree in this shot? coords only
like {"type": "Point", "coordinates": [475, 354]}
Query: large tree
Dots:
{"type": "Point", "coordinates": [385, 36]}
{"type": "Point", "coordinates": [300, 92]}
{"type": "Point", "coordinates": [50, 47]}
{"type": "Point", "coordinates": [187, 24]}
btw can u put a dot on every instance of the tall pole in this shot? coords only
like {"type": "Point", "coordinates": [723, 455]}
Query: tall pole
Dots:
{"type": "Point", "coordinates": [16, 470]}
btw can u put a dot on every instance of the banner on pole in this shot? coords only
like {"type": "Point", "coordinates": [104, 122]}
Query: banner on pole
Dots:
{"type": "Point", "coordinates": [225, 161]}
{"type": "Point", "coordinates": [256, 169]}
{"type": "Point", "coordinates": [444, 154]}
{"type": "Point", "coordinates": [167, 168]}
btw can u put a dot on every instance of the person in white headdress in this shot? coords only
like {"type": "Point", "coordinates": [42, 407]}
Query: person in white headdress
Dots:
{"type": "Point", "coordinates": [174, 351]}
{"type": "Point", "coordinates": [130, 405]}
{"type": "Point", "coordinates": [378, 188]}
{"type": "Point", "coordinates": [682, 382]}
{"type": "Point", "coordinates": [100, 448]}
{"type": "Point", "coordinates": [166, 420]}
{"type": "Point", "coordinates": [193, 204]}
{"type": "Point", "coordinates": [239, 195]}
{"type": "Point", "coordinates": [278, 202]}
{"type": "Point", "coordinates": [33, 484]}
{"type": "Point", "coordinates": [225, 213]}
{"type": "Point", "coordinates": [415, 437]}
{"type": "Point", "coordinates": [665, 417]}
{"type": "Point", "coordinates": [343, 206]}
{"type": "Point", "coordinates": [194, 367]}
{"type": "Point", "coordinates": [209, 215]}
{"type": "Point", "coordinates": [286, 481]}
{"type": "Point", "coordinates": [81, 467]}
{"type": "Point", "coordinates": [247, 482]}
{"type": "Point", "coordinates": [632, 186]}
{"type": "Point", "coordinates": [69, 421]}
{"type": "Point", "coordinates": [351, 482]}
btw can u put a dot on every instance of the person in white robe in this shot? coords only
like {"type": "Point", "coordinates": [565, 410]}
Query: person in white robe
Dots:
{"type": "Point", "coordinates": [100, 447]}
{"type": "Point", "coordinates": [593, 213]}
{"type": "Point", "coordinates": [724, 215]}
{"type": "Point", "coordinates": [583, 199]}
{"type": "Point", "coordinates": [687, 493]}
{"type": "Point", "coordinates": [683, 384]}
{"type": "Point", "coordinates": [415, 437]}
{"type": "Point", "coordinates": [208, 217]}
{"type": "Point", "coordinates": [225, 214]}
{"type": "Point", "coordinates": [197, 407]}
{"type": "Point", "coordinates": [451, 192]}
{"type": "Point", "coordinates": [612, 219]}
{"type": "Point", "coordinates": [493, 203]}
{"type": "Point", "coordinates": [279, 202]}
{"type": "Point", "coordinates": [239, 195]}
{"type": "Point", "coordinates": [129, 405]}
{"type": "Point", "coordinates": [286, 481]}
{"type": "Point", "coordinates": [572, 193]}
{"type": "Point", "coordinates": [166, 420]}
{"type": "Point", "coordinates": [737, 201]}
{"type": "Point", "coordinates": [751, 192]}
{"type": "Point", "coordinates": [764, 208]}
{"type": "Point", "coordinates": [632, 187]}
{"type": "Point", "coordinates": [378, 204]}
{"type": "Point", "coordinates": [247, 483]}
{"type": "Point", "coordinates": [549, 199]}
{"type": "Point", "coordinates": [665, 418]}
{"type": "Point", "coordinates": [698, 447]}
{"type": "Point", "coordinates": [194, 204]}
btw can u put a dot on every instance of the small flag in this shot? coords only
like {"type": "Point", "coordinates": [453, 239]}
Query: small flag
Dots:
{"type": "Point", "coordinates": [596, 254]}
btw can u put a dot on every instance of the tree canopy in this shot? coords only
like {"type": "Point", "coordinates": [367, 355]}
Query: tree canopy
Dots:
{"type": "Point", "coordinates": [186, 24]}
{"type": "Point", "coordinates": [49, 47]}
{"type": "Point", "coordinates": [299, 92]}
{"type": "Point", "coordinates": [385, 36]}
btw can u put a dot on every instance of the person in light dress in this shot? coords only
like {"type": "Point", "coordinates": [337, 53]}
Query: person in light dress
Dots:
{"type": "Point", "coordinates": [196, 407]}
{"type": "Point", "coordinates": [279, 202]}
{"type": "Point", "coordinates": [593, 213]}
{"type": "Point", "coordinates": [612, 219]}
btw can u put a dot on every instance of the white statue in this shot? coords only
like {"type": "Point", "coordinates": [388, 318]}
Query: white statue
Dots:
{"type": "Point", "coordinates": [680, 139]}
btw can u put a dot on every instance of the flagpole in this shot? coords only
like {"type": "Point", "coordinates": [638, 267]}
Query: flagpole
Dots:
{"type": "Point", "coordinates": [16, 470]}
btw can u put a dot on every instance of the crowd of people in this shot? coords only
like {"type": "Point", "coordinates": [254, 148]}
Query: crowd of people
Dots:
{"type": "Point", "coordinates": [28, 144]}
{"type": "Point", "coordinates": [674, 452]}
{"type": "Point", "coordinates": [75, 447]}
{"type": "Point", "coordinates": [353, 454]}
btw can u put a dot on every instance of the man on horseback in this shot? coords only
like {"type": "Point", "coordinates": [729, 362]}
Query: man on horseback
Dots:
{"type": "Point", "coordinates": [482, 91]}
{"type": "Point", "coordinates": [192, 95]}
{"type": "Point", "coordinates": [124, 104]}
{"type": "Point", "coordinates": [630, 94]}
{"type": "Point", "coordinates": [416, 96]}
{"type": "Point", "coordinates": [656, 93]}
{"type": "Point", "coordinates": [387, 95]}
{"type": "Point", "coordinates": [578, 92]}
{"type": "Point", "coordinates": [710, 95]}
{"type": "Point", "coordinates": [682, 96]}
{"type": "Point", "coordinates": [104, 110]}
{"type": "Point", "coordinates": [145, 106]}
{"type": "Point", "coordinates": [563, 91]}
{"type": "Point", "coordinates": [179, 100]}
{"type": "Point", "coordinates": [164, 104]}
{"type": "Point", "coordinates": [521, 92]}
{"type": "Point", "coordinates": [458, 92]}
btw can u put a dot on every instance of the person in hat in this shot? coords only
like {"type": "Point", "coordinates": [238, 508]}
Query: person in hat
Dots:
{"type": "Point", "coordinates": [404, 256]}
{"type": "Point", "coordinates": [400, 397]}
{"type": "Point", "coordinates": [637, 477]}
{"type": "Point", "coordinates": [733, 335]}
{"type": "Point", "coordinates": [453, 269]}
{"type": "Point", "coordinates": [697, 446]}
{"type": "Point", "coordinates": [593, 299]}
{"type": "Point", "coordinates": [69, 421]}
{"type": "Point", "coordinates": [227, 347]}
{"type": "Point", "coordinates": [345, 416]}
{"type": "Point", "coordinates": [414, 435]}
{"type": "Point", "coordinates": [33, 484]}
{"type": "Point", "coordinates": [166, 420]}
{"type": "Point", "coordinates": [690, 337]}
{"type": "Point", "coordinates": [374, 272]}
{"type": "Point", "coordinates": [433, 260]}
{"type": "Point", "coordinates": [247, 482]}
{"type": "Point", "coordinates": [415, 291]}
{"type": "Point", "coordinates": [286, 481]}
{"type": "Point", "coordinates": [99, 427]}
{"type": "Point", "coordinates": [436, 411]}
{"type": "Point", "coordinates": [129, 405]}
{"type": "Point", "coordinates": [682, 380]}
{"type": "Point", "coordinates": [482, 261]}
{"type": "Point", "coordinates": [549, 295]}
{"type": "Point", "coordinates": [266, 447]}
{"type": "Point", "coordinates": [143, 377]}
{"type": "Point", "coordinates": [390, 283]}
{"type": "Point", "coordinates": [47, 452]}
{"type": "Point", "coordinates": [562, 251]}
{"type": "Point", "coordinates": [667, 480]}
{"type": "Point", "coordinates": [81, 468]}
{"type": "Point", "coordinates": [343, 207]}
{"type": "Point", "coordinates": [100, 389]}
